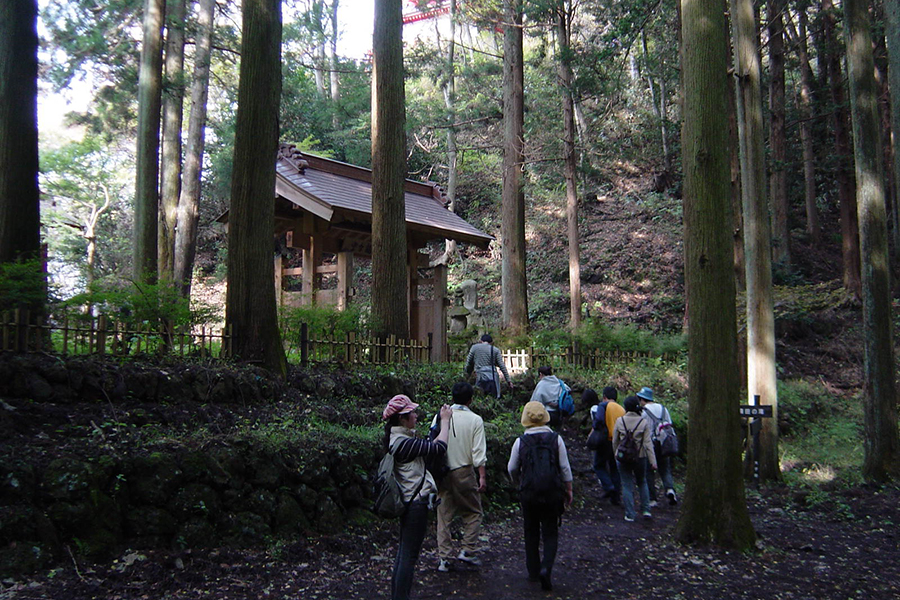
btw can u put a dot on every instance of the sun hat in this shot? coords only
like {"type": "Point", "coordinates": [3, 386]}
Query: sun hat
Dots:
{"type": "Point", "coordinates": [398, 405]}
{"type": "Point", "coordinates": [534, 414]}
{"type": "Point", "coordinates": [646, 393]}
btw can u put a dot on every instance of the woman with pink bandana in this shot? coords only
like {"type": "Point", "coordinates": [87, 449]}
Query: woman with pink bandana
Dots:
{"type": "Point", "coordinates": [411, 453]}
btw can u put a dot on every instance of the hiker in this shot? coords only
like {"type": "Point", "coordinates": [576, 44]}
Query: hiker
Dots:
{"type": "Point", "coordinates": [462, 486]}
{"type": "Point", "coordinates": [634, 449]}
{"type": "Point", "coordinates": [539, 466]}
{"type": "Point", "coordinates": [603, 419]}
{"type": "Point", "coordinates": [484, 358]}
{"type": "Point", "coordinates": [547, 393]}
{"type": "Point", "coordinates": [658, 416]}
{"type": "Point", "coordinates": [410, 453]}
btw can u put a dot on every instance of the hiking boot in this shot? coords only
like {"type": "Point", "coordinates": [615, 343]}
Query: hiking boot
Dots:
{"type": "Point", "coordinates": [673, 499]}
{"type": "Point", "coordinates": [444, 566]}
{"type": "Point", "coordinates": [472, 560]}
{"type": "Point", "coordinates": [629, 519]}
{"type": "Point", "coordinates": [654, 504]}
{"type": "Point", "coordinates": [647, 514]}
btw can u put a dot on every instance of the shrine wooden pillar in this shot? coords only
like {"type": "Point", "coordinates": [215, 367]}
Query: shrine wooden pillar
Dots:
{"type": "Point", "coordinates": [312, 257]}
{"type": "Point", "coordinates": [344, 279]}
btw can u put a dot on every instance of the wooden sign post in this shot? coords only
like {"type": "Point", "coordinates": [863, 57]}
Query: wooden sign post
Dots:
{"type": "Point", "coordinates": [756, 413]}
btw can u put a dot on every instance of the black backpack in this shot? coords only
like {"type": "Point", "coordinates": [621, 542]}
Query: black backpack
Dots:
{"type": "Point", "coordinates": [540, 481]}
{"type": "Point", "coordinates": [628, 451]}
{"type": "Point", "coordinates": [599, 422]}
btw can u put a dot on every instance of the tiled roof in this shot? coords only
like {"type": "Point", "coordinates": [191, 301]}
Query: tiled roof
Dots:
{"type": "Point", "coordinates": [331, 189]}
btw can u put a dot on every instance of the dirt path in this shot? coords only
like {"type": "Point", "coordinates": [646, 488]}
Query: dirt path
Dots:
{"type": "Point", "coordinates": [844, 548]}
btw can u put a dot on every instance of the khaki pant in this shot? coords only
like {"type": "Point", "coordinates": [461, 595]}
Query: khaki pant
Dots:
{"type": "Point", "coordinates": [459, 493]}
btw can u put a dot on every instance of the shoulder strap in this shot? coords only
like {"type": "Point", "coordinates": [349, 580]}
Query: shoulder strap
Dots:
{"type": "Point", "coordinates": [633, 429]}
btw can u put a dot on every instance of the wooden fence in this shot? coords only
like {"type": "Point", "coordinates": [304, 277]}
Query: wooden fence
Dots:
{"type": "Point", "coordinates": [351, 348]}
{"type": "Point", "coordinates": [524, 359]}
{"type": "Point", "coordinates": [82, 334]}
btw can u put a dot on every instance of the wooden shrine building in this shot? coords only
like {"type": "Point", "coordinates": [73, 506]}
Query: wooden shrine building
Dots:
{"type": "Point", "coordinates": [324, 208]}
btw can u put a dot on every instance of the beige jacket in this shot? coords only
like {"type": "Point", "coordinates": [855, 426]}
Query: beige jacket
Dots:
{"type": "Point", "coordinates": [409, 474]}
{"type": "Point", "coordinates": [641, 435]}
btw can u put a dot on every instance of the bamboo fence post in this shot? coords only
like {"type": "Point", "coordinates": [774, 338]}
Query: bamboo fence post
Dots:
{"type": "Point", "coordinates": [17, 315]}
{"type": "Point", "coordinates": [304, 344]}
{"type": "Point", "coordinates": [101, 335]}
{"type": "Point", "coordinates": [4, 320]}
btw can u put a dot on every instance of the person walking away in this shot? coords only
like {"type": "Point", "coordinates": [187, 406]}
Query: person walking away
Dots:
{"type": "Point", "coordinates": [539, 466]}
{"type": "Point", "coordinates": [547, 393]}
{"type": "Point", "coordinates": [603, 418]}
{"type": "Point", "coordinates": [484, 359]}
{"type": "Point", "coordinates": [418, 486]}
{"type": "Point", "coordinates": [633, 469]}
{"type": "Point", "coordinates": [461, 488]}
{"type": "Point", "coordinates": [658, 416]}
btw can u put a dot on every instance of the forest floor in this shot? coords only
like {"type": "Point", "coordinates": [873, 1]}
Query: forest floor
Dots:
{"type": "Point", "coordinates": [842, 544]}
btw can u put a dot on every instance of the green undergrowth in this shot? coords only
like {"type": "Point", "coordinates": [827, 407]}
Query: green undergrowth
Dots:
{"type": "Point", "coordinates": [821, 442]}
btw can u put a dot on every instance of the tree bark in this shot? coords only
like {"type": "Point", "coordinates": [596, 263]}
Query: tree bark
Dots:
{"type": "Point", "coordinates": [564, 16]}
{"type": "Point", "coordinates": [892, 14]}
{"type": "Point", "coordinates": [781, 240]}
{"type": "Point", "coordinates": [849, 224]}
{"type": "Point", "coordinates": [250, 301]}
{"type": "Point", "coordinates": [761, 376]}
{"type": "Point", "coordinates": [173, 117]}
{"type": "Point", "coordinates": [514, 313]}
{"type": "Point", "coordinates": [146, 189]}
{"type": "Point", "coordinates": [448, 86]}
{"type": "Point", "coordinates": [189, 200]}
{"type": "Point", "coordinates": [390, 279]}
{"type": "Point", "coordinates": [807, 140]}
{"type": "Point", "coordinates": [881, 441]}
{"type": "Point", "coordinates": [335, 79]}
{"type": "Point", "coordinates": [20, 218]}
{"type": "Point", "coordinates": [715, 509]}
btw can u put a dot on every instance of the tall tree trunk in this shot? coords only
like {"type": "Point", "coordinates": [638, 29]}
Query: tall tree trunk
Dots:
{"type": "Point", "coordinates": [90, 235]}
{"type": "Point", "coordinates": [512, 229]}
{"type": "Point", "coordinates": [20, 217]}
{"type": "Point", "coordinates": [250, 308]}
{"type": "Point", "coordinates": [849, 224]}
{"type": "Point", "coordinates": [449, 88]}
{"type": "Point", "coordinates": [189, 200]}
{"type": "Point", "coordinates": [715, 508]}
{"type": "Point", "coordinates": [892, 13]}
{"type": "Point", "coordinates": [173, 116]}
{"type": "Point", "coordinates": [146, 189]}
{"type": "Point", "coordinates": [777, 136]}
{"type": "Point", "coordinates": [335, 79]}
{"type": "Point", "coordinates": [390, 279]}
{"type": "Point", "coordinates": [807, 141]}
{"type": "Point", "coordinates": [882, 445]}
{"type": "Point", "coordinates": [564, 17]}
{"type": "Point", "coordinates": [659, 104]}
{"type": "Point", "coordinates": [761, 375]}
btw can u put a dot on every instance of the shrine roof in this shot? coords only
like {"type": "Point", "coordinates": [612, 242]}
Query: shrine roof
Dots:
{"type": "Point", "coordinates": [336, 191]}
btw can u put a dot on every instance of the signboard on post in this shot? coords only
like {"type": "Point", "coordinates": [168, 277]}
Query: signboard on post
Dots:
{"type": "Point", "coordinates": [756, 413]}
{"type": "Point", "coordinates": [756, 410]}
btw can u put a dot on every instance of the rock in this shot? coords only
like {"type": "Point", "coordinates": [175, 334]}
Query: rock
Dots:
{"type": "Point", "coordinates": [469, 289]}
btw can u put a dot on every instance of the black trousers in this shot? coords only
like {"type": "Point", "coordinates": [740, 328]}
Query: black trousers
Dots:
{"type": "Point", "coordinates": [541, 522]}
{"type": "Point", "coordinates": [413, 526]}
